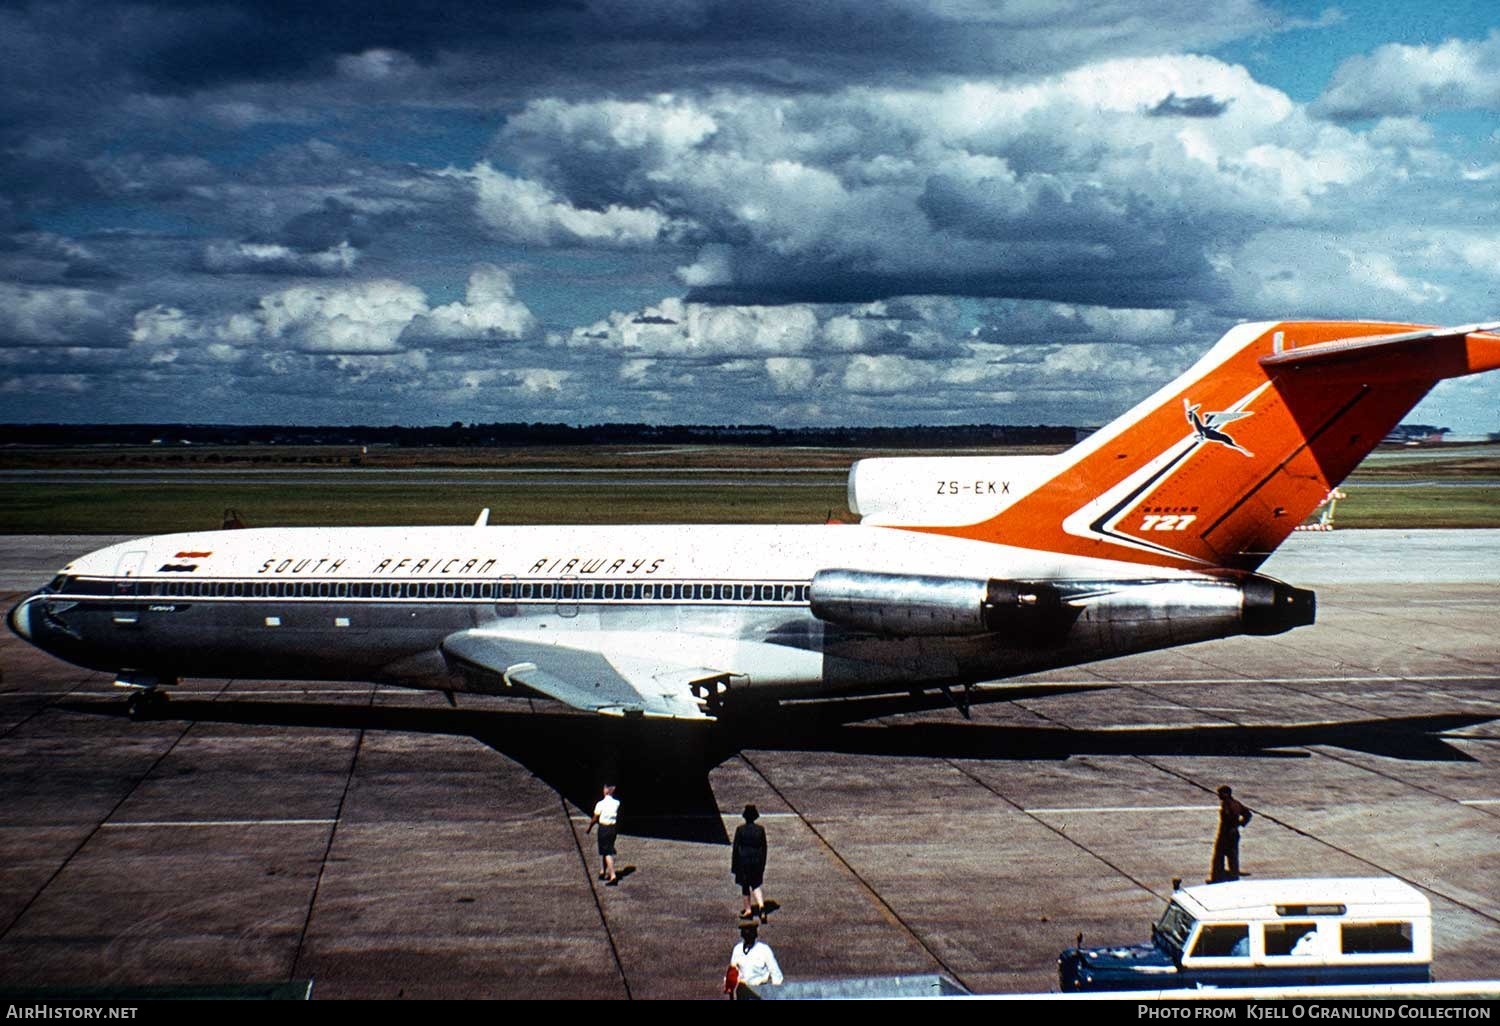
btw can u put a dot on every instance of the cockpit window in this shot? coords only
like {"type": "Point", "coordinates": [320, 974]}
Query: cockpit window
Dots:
{"type": "Point", "coordinates": [59, 583]}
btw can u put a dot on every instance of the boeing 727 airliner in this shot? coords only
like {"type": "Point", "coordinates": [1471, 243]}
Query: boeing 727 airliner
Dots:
{"type": "Point", "coordinates": [963, 570]}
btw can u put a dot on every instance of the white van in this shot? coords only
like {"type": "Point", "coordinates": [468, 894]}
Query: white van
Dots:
{"type": "Point", "coordinates": [1269, 933]}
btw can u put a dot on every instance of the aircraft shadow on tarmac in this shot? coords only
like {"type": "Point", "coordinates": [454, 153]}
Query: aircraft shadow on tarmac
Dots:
{"type": "Point", "coordinates": [663, 766]}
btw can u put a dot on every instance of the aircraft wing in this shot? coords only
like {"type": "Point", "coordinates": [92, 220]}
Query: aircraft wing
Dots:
{"type": "Point", "coordinates": [584, 675]}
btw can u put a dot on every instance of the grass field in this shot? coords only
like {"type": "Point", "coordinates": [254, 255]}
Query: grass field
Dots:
{"type": "Point", "coordinates": [622, 485]}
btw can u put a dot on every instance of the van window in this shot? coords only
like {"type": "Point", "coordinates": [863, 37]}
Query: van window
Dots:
{"type": "Point", "coordinates": [1175, 926]}
{"type": "Point", "coordinates": [1375, 938]}
{"type": "Point", "coordinates": [1223, 940]}
{"type": "Point", "coordinates": [1287, 938]}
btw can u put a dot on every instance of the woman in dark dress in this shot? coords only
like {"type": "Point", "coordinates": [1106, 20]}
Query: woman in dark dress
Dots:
{"type": "Point", "coordinates": [748, 863]}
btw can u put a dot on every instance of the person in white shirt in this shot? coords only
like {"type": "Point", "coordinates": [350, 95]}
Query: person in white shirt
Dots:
{"type": "Point", "coordinates": [606, 816]}
{"type": "Point", "coordinates": [754, 962]}
{"type": "Point", "coordinates": [1308, 944]}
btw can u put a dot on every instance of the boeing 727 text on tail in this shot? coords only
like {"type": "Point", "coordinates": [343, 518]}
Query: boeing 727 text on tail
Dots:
{"type": "Point", "coordinates": [963, 570]}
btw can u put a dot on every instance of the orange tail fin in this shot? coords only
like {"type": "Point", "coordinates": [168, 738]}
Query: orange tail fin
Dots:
{"type": "Point", "coordinates": [1218, 467]}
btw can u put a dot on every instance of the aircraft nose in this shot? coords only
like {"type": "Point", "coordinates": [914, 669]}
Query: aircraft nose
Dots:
{"type": "Point", "coordinates": [19, 618]}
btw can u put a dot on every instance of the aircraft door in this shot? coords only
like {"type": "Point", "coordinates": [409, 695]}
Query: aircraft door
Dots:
{"type": "Point", "coordinates": [128, 587]}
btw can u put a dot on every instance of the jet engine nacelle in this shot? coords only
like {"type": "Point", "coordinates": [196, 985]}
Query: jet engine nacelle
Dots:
{"type": "Point", "coordinates": [912, 604]}
{"type": "Point", "coordinates": [1128, 614]}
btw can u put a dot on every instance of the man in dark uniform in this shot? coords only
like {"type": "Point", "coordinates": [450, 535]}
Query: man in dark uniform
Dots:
{"type": "Point", "coordinates": [747, 861]}
{"type": "Point", "coordinates": [1232, 816]}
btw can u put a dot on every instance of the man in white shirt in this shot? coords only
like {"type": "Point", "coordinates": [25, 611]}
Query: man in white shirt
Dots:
{"type": "Point", "coordinates": [754, 962]}
{"type": "Point", "coordinates": [606, 815]}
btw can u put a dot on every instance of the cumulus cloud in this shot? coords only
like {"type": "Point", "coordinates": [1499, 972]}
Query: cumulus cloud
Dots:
{"type": "Point", "coordinates": [1061, 187]}
{"type": "Point", "coordinates": [368, 317]}
{"type": "Point", "coordinates": [961, 189]}
{"type": "Point", "coordinates": [273, 258]}
{"type": "Point", "coordinates": [704, 332]}
{"type": "Point", "coordinates": [886, 375]}
{"type": "Point", "coordinates": [933, 357]}
{"type": "Point", "coordinates": [1402, 80]}
{"type": "Point", "coordinates": [50, 316]}
{"type": "Point", "coordinates": [790, 373]}
{"type": "Point", "coordinates": [373, 317]}
{"type": "Point", "coordinates": [521, 210]}
{"type": "Point", "coordinates": [491, 310]}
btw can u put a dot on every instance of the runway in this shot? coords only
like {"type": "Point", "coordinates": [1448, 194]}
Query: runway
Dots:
{"type": "Point", "coordinates": [382, 844]}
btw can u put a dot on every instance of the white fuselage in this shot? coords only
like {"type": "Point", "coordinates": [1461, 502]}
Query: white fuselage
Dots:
{"type": "Point", "coordinates": [377, 604]}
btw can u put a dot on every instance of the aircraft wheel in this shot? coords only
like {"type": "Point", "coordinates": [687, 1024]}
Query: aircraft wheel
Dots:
{"type": "Point", "coordinates": [142, 704]}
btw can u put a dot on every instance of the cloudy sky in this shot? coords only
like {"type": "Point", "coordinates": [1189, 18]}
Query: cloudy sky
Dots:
{"type": "Point", "coordinates": [849, 211]}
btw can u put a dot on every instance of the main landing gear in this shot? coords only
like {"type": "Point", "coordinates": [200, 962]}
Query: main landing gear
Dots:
{"type": "Point", "coordinates": [145, 698]}
{"type": "Point", "coordinates": [145, 703]}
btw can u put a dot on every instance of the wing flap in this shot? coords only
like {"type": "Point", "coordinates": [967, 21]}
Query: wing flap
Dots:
{"type": "Point", "coordinates": [585, 678]}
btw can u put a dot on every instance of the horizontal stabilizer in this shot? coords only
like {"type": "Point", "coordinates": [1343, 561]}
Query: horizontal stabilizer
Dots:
{"type": "Point", "coordinates": [585, 678]}
{"type": "Point", "coordinates": [1430, 353]}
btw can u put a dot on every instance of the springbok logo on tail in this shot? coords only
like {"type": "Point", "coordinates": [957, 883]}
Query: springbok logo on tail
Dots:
{"type": "Point", "coordinates": [1207, 427]}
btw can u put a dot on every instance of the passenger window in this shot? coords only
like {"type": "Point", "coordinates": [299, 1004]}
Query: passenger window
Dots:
{"type": "Point", "coordinates": [1375, 938]}
{"type": "Point", "coordinates": [1227, 940]}
{"type": "Point", "coordinates": [1291, 938]}
{"type": "Point", "coordinates": [648, 591]}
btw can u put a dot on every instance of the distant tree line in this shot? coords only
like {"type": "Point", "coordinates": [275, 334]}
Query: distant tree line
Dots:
{"type": "Point", "coordinates": [538, 434]}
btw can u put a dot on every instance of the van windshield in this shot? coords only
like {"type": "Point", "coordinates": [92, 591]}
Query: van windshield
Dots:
{"type": "Point", "coordinates": [1173, 928]}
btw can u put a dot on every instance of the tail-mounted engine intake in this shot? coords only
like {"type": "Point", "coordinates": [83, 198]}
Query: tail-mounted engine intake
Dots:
{"type": "Point", "coordinates": [910, 604]}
